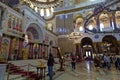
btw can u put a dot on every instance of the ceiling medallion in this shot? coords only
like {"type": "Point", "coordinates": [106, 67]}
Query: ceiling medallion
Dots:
{"type": "Point", "coordinates": [45, 8]}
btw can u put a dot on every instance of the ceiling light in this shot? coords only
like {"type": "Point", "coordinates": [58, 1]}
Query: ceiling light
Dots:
{"type": "Point", "coordinates": [81, 28]}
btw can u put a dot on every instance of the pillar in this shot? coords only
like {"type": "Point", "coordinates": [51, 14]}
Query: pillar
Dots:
{"type": "Point", "coordinates": [114, 20]}
{"type": "Point", "coordinates": [47, 51]}
{"type": "Point", "coordinates": [0, 42]}
{"type": "Point", "coordinates": [98, 23]}
{"type": "Point", "coordinates": [20, 49]}
{"type": "Point", "coordinates": [30, 47]}
{"type": "Point", "coordinates": [10, 49]}
{"type": "Point", "coordinates": [38, 51]}
{"type": "Point", "coordinates": [32, 50]}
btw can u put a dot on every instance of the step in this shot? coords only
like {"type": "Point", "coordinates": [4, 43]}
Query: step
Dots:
{"type": "Point", "coordinates": [13, 76]}
{"type": "Point", "coordinates": [21, 78]}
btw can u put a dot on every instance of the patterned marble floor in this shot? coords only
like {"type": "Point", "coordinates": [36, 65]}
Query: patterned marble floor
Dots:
{"type": "Point", "coordinates": [84, 71]}
{"type": "Point", "coordinates": [87, 71]}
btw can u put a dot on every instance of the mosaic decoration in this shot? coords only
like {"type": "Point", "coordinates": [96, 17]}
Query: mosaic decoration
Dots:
{"type": "Point", "coordinates": [34, 32]}
{"type": "Point", "coordinates": [98, 10]}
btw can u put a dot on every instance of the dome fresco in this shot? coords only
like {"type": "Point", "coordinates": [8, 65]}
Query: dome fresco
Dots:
{"type": "Point", "coordinates": [103, 22]}
{"type": "Point", "coordinates": [34, 32]}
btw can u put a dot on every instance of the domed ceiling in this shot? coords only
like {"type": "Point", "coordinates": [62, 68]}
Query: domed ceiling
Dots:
{"type": "Point", "coordinates": [45, 1]}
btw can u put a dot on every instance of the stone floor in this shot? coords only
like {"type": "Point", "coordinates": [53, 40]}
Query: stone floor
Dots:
{"type": "Point", "coordinates": [87, 71]}
{"type": "Point", "coordinates": [84, 71]}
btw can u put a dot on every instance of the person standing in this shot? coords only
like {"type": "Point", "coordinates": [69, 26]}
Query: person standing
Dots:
{"type": "Point", "coordinates": [73, 62]}
{"type": "Point", "coordinates": [107, 61]}
{"type": "Point", "coordinates": [50, 65]}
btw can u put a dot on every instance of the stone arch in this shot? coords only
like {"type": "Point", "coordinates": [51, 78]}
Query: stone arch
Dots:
{"type": "Point", "coordinates": [86, 41]}
{"type": "Point", "coordinates": [110, 39]}
{"type": "Point", "coordinates": [35, 31]}
{"type": "Point", "coordinates": [32, 33]}
{"type": "Point", "coordinates": [104, 18]}
{"type": "Point", "coordinates": [79, 22]}
{"type": "Point", "coordinates": [87, 47]}
{"type": "Point", "coordinates": [89, 13]}
{"type": "Point", "coordinates": [110, 44]}
{"type": "Point", "coordinates": [92, 23]}
{"type": "Point", "coordinates": [117, 14]}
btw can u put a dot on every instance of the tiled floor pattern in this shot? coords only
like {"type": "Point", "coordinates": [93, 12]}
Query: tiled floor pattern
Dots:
{"type": "Point", "coordinates": [87, 71]}
{"type": "Point", "coordinates": [84, 71]}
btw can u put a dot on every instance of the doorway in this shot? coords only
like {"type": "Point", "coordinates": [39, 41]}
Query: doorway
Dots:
{"type": "Point", "coordinates": [87, 48]}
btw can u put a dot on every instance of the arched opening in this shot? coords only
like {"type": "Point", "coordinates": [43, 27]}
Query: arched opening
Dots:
{"type": "Point", "coordinates": [33, 40]}
{"type": "Point", "coordinates": [110, 44]}
{"type": "Point", "coordinates": [87, 48]}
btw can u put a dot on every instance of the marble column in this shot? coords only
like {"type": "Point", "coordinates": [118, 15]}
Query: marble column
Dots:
{"type": "Point", "coordinates": [43, 50]}
{"type": "Point", "coordinates": [20, 49]}
{"type": "Point", "coordinates": [0, 42]}
{"type": "Point", "coordinates": [30, 50]}
{"type": "Point", "coordinates": [40, 50]}
{"type": "Point", "coordinates": [47, 51]}
{"type": "Point", "coordinates": [10, 49]}
{"type": "Point", "coordinates": [98, 23]}
{"type": "Point", "coordinates": [114, 20]}
{"type": "Point", "coordinates": [44, 53]}
{"type": "Point", "coordinates": [19, 44]}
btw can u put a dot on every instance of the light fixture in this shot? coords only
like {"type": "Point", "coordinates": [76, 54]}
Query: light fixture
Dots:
{"type": "Point", "coordinates": [44, 7]}
{"type": "Point", "coordinates": [81, 28]}
{"type": "Point", "coordinates": [74, 35]}
{"type": "Point", "coordinates": [90, 27]}
{"type": "Point", "coordinates": [101, 26]}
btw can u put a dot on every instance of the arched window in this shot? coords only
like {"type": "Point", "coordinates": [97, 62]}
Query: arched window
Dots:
{"type": "Point", "coordinates": [104, 22]}
{"type": "Point", "coordinates": [117, 16]}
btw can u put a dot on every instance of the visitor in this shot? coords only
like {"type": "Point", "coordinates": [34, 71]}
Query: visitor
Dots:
{"type": "Point", "coordinates": [50, 65]}
{"type": "Point", "coordinates": [107, 61]}
{"type": "Point", "coordinates": [73, 62]}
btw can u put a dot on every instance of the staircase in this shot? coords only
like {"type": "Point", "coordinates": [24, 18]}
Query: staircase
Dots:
{"type": "Point", "coordinates": [18, 73]}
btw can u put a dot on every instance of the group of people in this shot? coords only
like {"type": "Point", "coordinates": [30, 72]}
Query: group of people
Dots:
{"type": "Point", "coordinates": [106, 60]}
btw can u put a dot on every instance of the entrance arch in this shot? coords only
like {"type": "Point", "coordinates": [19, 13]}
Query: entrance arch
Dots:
{"type": "Point", "coordinates": [110, 44]}
{"type": "Point", "coordinates": [87, 48]}
{"type": "Point", "coordinates": [35, 32]}
{"type": "Point", "coordinates": [35, 38]}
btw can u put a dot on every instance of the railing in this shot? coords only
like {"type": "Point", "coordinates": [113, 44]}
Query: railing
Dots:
{"type": "Point", "coordinates": [28, 74]}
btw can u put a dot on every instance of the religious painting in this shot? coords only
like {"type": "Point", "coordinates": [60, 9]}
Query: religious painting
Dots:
{"type": "Point", "coordinates": [4, 49]}
{"type": "Point", "coordinates": [9, 21]}
{"type": "Point", "coordinates": [92, 25]}
{"type": "Point", "coordinates": [15, 48]}
{"type": "Point", "coordinates": [50, 26]}
{"type": "Point", "coordinates": [104, 22]}
{"type": "Point", "coordinates": [79, 23]}
{"type": "Point", "coordinates": [13, 22]}
{"type": "Point", "coordinates": [33, 32]}
{"type": "Point", "coordinates": [117, 17]}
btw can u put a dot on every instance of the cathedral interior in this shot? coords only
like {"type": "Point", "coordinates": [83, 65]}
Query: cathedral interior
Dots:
{"type": "Point", "coordinates": [32, 29]}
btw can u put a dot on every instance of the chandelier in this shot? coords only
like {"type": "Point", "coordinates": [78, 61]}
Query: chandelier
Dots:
{"type": "Point", "coordinates": [44, 8]}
